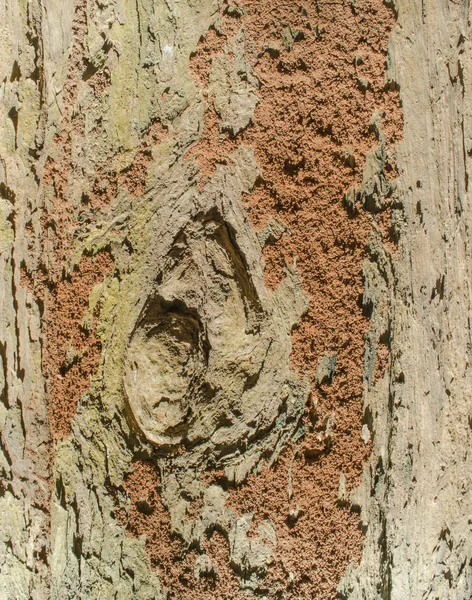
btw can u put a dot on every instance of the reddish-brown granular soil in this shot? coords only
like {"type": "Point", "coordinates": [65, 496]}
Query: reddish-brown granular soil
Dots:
{"type": "Point", "coordinates": [71, 350]}
{"type": "Point", "coordinates": [315, 112]}
{"type": "Point", "coordinates": [134, 177]}
{"type": "Point", "coordinates": [311, 136]}
{"type": "Point", "coordinates": [174, 562]}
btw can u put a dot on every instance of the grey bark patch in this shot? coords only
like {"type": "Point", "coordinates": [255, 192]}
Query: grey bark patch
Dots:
{"type": "Point", "coordinates": [326, 369]}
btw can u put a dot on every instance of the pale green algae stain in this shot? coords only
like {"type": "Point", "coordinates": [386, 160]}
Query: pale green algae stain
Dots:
{"type": "Point", "coordinates": [124, 80]}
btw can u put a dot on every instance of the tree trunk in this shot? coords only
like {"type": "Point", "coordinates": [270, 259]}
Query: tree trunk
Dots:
{"type": "Point", "coordinates": [235, 291]}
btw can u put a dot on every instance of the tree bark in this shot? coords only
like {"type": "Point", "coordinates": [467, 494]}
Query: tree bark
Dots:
{"type": "Point", "coordinates": [235, 300]}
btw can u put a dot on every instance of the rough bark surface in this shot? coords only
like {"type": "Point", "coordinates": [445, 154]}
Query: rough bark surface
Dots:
{"type": "Point", "coordinates": [235, 300]}
{"type": "Point", "coordinates": [415, 496]}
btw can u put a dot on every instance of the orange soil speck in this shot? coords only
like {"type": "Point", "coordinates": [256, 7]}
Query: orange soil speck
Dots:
{"type": "Point", "coordinates": [383, 355]}
{"type": "Point", "coordinates": [214, 147]}
{"type": "Point", "coordinates": [200, 63]}
{"type": "Point", "coordinates": [383, 223]}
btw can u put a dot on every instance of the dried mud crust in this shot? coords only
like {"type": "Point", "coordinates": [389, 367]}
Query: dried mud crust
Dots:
{"type": "Point", "coordinates": [72, 348]}
{"type": "Point", "coordinates": [321, 68]}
